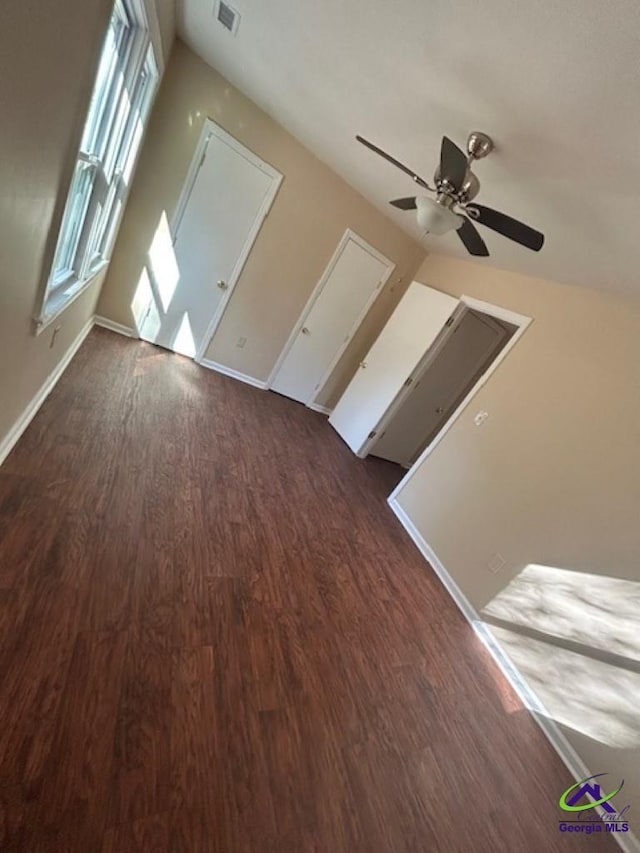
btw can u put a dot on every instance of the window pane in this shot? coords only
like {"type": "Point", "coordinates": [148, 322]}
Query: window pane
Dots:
{"type": "Point", "coordinates": [134, 144]}
{"type": "Point", "coordinates": [117, 132]}
{"type": "Point", "coordinates": [73, 220]}
{"type": "Point", "coordinates": [90, 250]}
{"type": "Point", "coordinates": [110, 228]}
{"type": "Point", "coordinates": [146, 84]}
{"type": "Point", "coordinates": [119, 172]}
{"type": "Point", "coordinates": [104, 84]}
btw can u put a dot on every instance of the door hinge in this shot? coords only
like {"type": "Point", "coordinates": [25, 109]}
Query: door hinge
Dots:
{"type": "Point", "coordinates": [372, 434]}
{"type": "Point", "coordinates": [202, 159]}
{"type": "Point", "coordinates": [408, 381]}
{"type": "Point", "coordinates": [450, 321]}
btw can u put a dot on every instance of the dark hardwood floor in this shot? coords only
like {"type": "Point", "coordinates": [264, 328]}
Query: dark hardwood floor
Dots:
{"type": "Point", "coordinates": [216, 637]}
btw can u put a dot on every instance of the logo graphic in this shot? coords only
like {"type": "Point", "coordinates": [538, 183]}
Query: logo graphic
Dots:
{"type": "Point", "coordinates": [585, 795]}
{"type": "Point", "coordinates": [591, 790]}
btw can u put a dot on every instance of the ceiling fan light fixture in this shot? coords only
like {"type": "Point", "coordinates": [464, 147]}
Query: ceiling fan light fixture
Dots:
{"type": "Point", "coordinates": [435, 218]}
{"type": "Point", "coordinates": [457, 185]}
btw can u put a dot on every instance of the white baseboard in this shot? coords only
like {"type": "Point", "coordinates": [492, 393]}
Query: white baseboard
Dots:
{"type": "Point", "coordinates": [571, 759]}
{"type": "Point", "coordinates": [316, 407]}
{"type": "Point", "coordinates": [10, 440]}
{"type": "Point", "coordinates": [105, 323]}
{"type": "Point", "coordinates": [430, 556]}
{"type": "Point", "coordinates": [235, 374]}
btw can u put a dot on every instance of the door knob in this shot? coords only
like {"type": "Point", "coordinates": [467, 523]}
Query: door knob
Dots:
{"type": "Point", "coordinates": [305, 331]}
{"type": "Point", "coordinates": [363, 364]}
{"type": "Point", "coordinates": [222, 285]}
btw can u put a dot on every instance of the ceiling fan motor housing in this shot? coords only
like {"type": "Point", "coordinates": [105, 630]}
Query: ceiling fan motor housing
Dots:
{"type": "Point", "coordinates": [469, 189]}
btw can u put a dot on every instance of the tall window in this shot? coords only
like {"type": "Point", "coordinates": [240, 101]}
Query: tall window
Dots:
{"type": "Point", "coordinates": [122, 95]}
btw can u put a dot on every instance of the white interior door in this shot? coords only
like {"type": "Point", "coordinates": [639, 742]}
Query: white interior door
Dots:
{"type": "Point", "coordinates": [414, 325]}
{"type": "Point", "coordinates": [227, 196]}
{"type": "Point", "coordinates": [472, 343]}
{"type": "Point", "coordinates": [346, 291]}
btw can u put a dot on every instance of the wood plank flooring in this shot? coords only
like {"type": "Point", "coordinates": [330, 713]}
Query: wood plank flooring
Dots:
{"type": "Point", "coordinates": [216, 638]}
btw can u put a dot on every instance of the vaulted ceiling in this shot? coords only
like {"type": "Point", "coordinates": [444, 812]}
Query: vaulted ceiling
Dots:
{"type": "Point", "coordinates": [556, 84]}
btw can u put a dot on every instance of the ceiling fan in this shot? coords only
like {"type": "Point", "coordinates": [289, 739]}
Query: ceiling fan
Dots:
{"type": "Point", "coordinates": [455, 188]}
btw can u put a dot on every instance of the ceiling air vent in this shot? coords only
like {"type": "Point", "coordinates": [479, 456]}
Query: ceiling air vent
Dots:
{"type": "Point", "coordinates": [227, 16]}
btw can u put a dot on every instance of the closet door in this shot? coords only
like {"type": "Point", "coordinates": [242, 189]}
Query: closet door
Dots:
{"type": "Point", "coordinates": [471, 344]}
{"type": "Point", "coordinates": [412, 328]}
{"type": "Point", "coordinates": [350, 284]}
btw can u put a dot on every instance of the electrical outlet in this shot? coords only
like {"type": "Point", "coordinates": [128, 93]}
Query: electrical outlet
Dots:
{"type": "Point", "coordinates": [496, 563]}
{"type": "Point", "coordinates": [241, 342]}
{"type": "Point", "coordinates": [54, 336]}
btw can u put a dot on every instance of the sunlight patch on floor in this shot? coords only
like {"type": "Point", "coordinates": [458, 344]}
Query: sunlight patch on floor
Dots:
{"type": "Point", "coordinates": [600, 612]}
{"type": "Point", "coordinates": [593, 697]}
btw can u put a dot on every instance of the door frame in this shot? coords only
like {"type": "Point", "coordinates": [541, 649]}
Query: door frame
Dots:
{"type": "Point", "coordinates": [520, 320]}
{"type": "Point", "coordinates": [348, 235]}
{"type": "Point", "coordinates": [210, 129]}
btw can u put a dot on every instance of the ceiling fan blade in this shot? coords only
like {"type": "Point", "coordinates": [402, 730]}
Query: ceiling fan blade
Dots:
{"type": "Point", "coordinates": [507, 226]}
{"type": "Point", "coordinates": [404, 203]}
{"type": "Point", "coordinates": [453, 163]}
{"type": "Point", "coordinates": [472, 240]}
{"type": "Point", "coordinates": [395, 162]}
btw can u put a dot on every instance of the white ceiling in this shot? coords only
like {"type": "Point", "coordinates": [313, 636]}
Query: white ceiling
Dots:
{"type": "Point", "coordinates": [557, 85]}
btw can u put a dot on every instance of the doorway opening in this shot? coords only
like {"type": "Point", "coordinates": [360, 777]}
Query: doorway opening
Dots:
{"type": "Point", "coordinates": [424, 322]}
{"type": "Point", "coordinates": [450, 370]}
{"type": "Point", "coordinates": [433, 355]}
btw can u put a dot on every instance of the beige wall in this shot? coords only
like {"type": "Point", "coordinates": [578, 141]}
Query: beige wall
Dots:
{"type": "Point", "coordinates": [552, 478]}
{"type": "Point", "coordinates": [309, 216]}
{"type": "Point", "coordinates": [44, 95]}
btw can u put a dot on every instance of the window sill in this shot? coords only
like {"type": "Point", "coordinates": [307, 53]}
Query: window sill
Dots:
{"type": "Point", "coordinates": [59, 302]}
